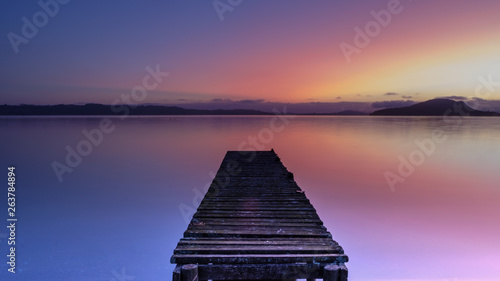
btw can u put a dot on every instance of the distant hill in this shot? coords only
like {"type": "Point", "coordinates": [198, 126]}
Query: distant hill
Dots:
{"type": "Point", "coordinates": [101, 109]}
{"type": "Point", "coordinates": [435, 107]}
{"type": "Point", "coordinates": [343, 113]}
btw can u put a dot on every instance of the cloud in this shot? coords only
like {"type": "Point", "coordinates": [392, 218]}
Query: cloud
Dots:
{"type": "Point", "coordinates": [252, 101]}
{"type": "Point", "coordinates": [454, 98]}
{"type": "Point", "coordinates": [391, 94]}
{"type": "Point", "coordinates": [338, 98]}
{"type": "Point", "coordinates": [221, 100]}
{"type": "Point", "coordinates": [392, 103]}
{"type": "Point", "coordinates": [406, 97]}
{"type": "Point", "coordinates": [482, 104]}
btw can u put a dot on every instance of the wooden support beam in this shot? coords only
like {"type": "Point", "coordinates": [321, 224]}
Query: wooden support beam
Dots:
{"type": "Point", "coordinates": [259, 271]}
{"type": "Point", "coordinates": [176, 275]}
{"type": "Point", "coordinates": [343, 272]}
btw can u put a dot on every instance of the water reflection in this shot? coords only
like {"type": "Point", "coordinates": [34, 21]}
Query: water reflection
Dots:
{"type": "Point", "coordinates": [120, 207]}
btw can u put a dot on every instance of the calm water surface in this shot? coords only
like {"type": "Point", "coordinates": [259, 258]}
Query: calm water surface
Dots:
{"type": "Point", "coordinates": [118, 211]}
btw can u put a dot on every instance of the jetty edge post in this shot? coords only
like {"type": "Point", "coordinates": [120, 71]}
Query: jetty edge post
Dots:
{"type": "Point", "coordinates": [189, 272]}
{"type": "Point", "coordinates": [335, 272]}
{"type": "Point", "coordinates": [176, 275]}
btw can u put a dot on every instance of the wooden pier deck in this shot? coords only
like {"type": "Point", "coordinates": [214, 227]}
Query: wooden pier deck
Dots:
{"type": "Point", "coordinates": [255, 223]}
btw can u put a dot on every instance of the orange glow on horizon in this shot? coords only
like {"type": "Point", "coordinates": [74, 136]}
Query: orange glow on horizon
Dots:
{"type": "Point", "coordinates": [436, 57]}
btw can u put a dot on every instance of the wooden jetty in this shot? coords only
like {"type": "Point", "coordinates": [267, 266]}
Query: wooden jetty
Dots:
{"type": "Point", "coordinates": [255, 223]}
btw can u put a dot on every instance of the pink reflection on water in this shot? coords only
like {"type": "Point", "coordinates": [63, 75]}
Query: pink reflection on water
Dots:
{"type": "Point", "coordinates": [443, 218]}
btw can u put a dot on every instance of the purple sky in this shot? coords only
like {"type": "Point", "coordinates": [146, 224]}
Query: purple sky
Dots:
{"type": "Point", "coordinates": [313, 54]}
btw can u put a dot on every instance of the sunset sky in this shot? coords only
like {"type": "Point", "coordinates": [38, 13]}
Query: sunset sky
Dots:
{"type": "Point", "coordinates": [254, 51]}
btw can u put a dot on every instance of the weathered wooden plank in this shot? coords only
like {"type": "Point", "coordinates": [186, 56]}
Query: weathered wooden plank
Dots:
{"type": "Point", "coordinates": [249, 221]}
{"type": "Point", "coordinates": [257, 249]}
{"type": "Point", "coordinates": [243, 224]}
{"type": "Point", "coordinates": [262, 258]}
{"type": "Point", "coordinates": [218, 197]}
{"type": "Point", "coordinates": [252, 233]}
{"type": "Point", "coordinates": [298, 198]}
{"type": "Point", "coordinates": [257, 212]}
{"type": "Point", "coordinates": [256, 241]}
{"type": "Point", "coordinates": [250, 195]}
{"type": "Point", "coordinates": [268, 228]}
{"type": "Point", "coordinates": [249, 182]}
{"type": "Point", "coordinates": [275, 250]}
{"type": "Point", "coordinates": [252, 215]}
{"type": "Point", "coordinates": [261, 195]}
{"type": "Point", "coordinates": [261, 201]}
{"type": "Point", "coordinates": [256, 208]}
{"type": "Point", "coordinates": [287, 213]}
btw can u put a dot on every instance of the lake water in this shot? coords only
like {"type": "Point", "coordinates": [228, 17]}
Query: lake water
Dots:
{"type": "Point", "coordinates": [117, 215]}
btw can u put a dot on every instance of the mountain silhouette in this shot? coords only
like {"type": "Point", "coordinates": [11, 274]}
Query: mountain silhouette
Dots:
{"type": "Point", "coordinates": [435, 107]}
{"type": "Point", "coordinates": [101, 109]}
